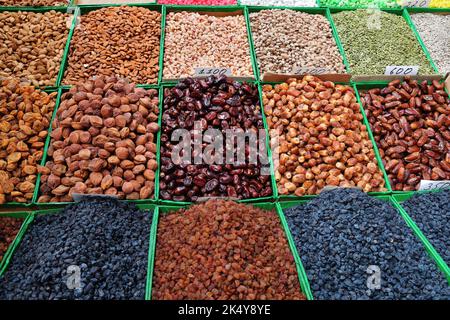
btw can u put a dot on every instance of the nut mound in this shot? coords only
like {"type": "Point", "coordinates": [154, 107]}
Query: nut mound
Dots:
{"type": "Point", "coordinates": [116, 41]}
{"type": "Point", "coordinates": [225, 251]}
{"type": "Point", "coordinates": [103, 142]}
{"type": "Point", "coordinates": [322, 139]}
{"type": "Point", "coordinates": [25, 116]}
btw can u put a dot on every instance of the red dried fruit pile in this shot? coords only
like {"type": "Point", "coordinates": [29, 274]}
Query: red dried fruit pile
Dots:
{"type": "Point", "coordinates": [222, 250]}
{"type": "Point", "coordinates": [9, 227]}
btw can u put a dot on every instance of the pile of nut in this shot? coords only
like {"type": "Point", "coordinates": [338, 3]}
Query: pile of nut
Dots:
{"type": "Point", "coordinates": [321, 138]}
{"type": "Point", "coordinates": [103, 142]}
{"type": "Point", "coordinates": [25, 116]}
{"type": "Point", "coordinates": [201, 40]}
{"type": "Point", "coordinates": [288, 39]}
{"type": "Point", "coordinates": [215, 103]}
{"type": "Point", "coordinates": [222, 250]}
{"type": "Point", "coordinates": [32, 45]}
{"type": "Point", "coordinates": [116, 41]}
{"type": "Point", "coordinates": [411, 125]}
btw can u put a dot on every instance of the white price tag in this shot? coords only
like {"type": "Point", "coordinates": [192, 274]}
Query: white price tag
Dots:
{"type": "Point", "coordinates": [432, 185]}
{"type": "Point", "coordinates": [416, 3]}
{"type": "Point", "coordinates": [310, 70]}
{"type": "Point", "coordinates": [401, 70]}
{"type": "Point", "coordinates": [211, 71]}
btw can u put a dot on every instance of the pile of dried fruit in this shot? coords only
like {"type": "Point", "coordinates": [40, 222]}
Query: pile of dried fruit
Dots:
{"type": "Point", "coordinates": [225, 251]}
{"type": "Point", "coordinates": [25, 115]}
{"type": "Point", "coordinates": [287, 39]}
{"type": "Point", "coordinates": [410, 122]}
{"type": "Point", "coordinates": [103, 142]}
{"type": "Point", "coordinates": [104, 242]}
{"type": "Point", "coordinates": [372, 40]}
{"type": "Point", "coordinates": [32, 45]}
{"type": "Point", "coordinates": [9, 227]}
{"type": "Point", "coordinates": [322, 140]}
{"type": "Point", "coordinates": [195, 39]}
{"type": "Point", "coordinates": [358, 247]}
{"type": "Point", "coordinates": [431, 212]}
{"type": "Point", "coordinates": [122, 41]}
{"type": "Point", "coordinates": [214, 103]}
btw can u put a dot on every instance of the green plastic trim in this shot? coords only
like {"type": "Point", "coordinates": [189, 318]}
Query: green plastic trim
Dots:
{"type": "Point", "coordinates": [253, 57]}
{"type": "Point", "coordinates": [397, 200]}
{"type": "Point", "coordinates": [20, 215]}
{"type": "Point", "coordinates": [162, 210]}
{"type": "Point", "coordinates": [419, 38]}
{"type": "Point", "coordinates": [338, 41]}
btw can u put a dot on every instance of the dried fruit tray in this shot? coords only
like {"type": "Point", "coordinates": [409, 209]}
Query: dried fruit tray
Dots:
{"type": "Point", "coordinates": [377, 78]}
{"type": "Point", "coordinates": [433, 255]}
{"type": "Point", "coordinates": [160, 210]}
{"type": "Point", "coordinates": [29, 218]}
{"type": "Point", "coordinates": [250, 200]}
{"type": "Point", "coordinates": [45, 205]}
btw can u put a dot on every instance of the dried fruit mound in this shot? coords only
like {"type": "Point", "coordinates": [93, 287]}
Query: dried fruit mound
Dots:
{"type": "Point", "coordinates": [9, 227]}
{"type": "Point", "coordinates": [25, 115]}
{"type": "Point", "coordinates": [431, 212]}
{"type": "Point", "coordinates": [347, 240]}
{"type": "Point", "coordinates": [106, 240]}
{"type": "Point", "coordinates": [225, 251]}
{"type": "Point", "coordinates": [103, 142]}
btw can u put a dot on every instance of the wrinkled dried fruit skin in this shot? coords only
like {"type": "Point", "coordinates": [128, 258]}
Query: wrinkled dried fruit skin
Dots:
{"type": "Point", "coordinates": [222, 250]}
{"type": "Point", "coordinates": [322, 140]}
{"type": "Point", "coordinates": [411, 126]}
{"type": "Point", "coordinates": [82, 152]}
{"type": "Point", "coordinates": [25, 115]}
{"type": "Point", "coordinates": [211, 96]}
{"type": "Point", "coordinates": [9, 227]}
{"type": "Point", "coordinates": [32, 45]}
{"type": "Point", "coordinates": [125, 44]}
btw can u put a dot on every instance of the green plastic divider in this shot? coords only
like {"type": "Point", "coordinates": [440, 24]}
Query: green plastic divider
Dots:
{"type": "Point", "coordinates": [397, 200]}
{"type": "Point", "coordinates": [253, 56]}
{"type": "Point", "coordinates": [268, 206]}
{"type": "Point", "coordinates": [30, 219]}
{"type": "Point", "coordinates": [338, 42]}
{"type": "Point", "coordinates": [364, 121]}
{"type": "Point", "coordinates": [202, 8]}
{"type": "Point", "coordinates": [81, 10]}
{"type": "Point", "coordinates": [46, 9]}
{"type": "Point", "coordinates": [249, 200]}
{"type": "Point", "coordinates": [161, 44]}
{"type": "Point", "coordinates": [49, 205]}
{"type": "Point", "coordinates": [22, 215]}
{"type": "Point", "coordinates": [414, 29]}
{"type": "Point", "coordinates": [413, 228]}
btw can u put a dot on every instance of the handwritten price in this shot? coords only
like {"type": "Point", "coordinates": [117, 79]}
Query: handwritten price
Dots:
{"type": "Point", "coordinates": [212, 71]}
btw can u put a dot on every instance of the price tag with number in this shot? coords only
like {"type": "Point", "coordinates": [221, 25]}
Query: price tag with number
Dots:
{"type": "Point", "coordinates": [211, 71]}
{"type": "Point", "coordinates": [416, 3]}
{"type": "Point", "coordinates": [432, 185]}
{"type": "Point", "coordinates": [401, 70]}
{"type": "Point", "coordinates": [310, 70]}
